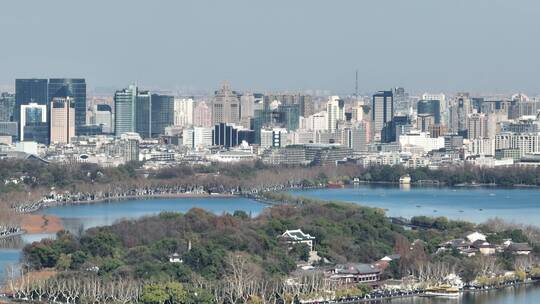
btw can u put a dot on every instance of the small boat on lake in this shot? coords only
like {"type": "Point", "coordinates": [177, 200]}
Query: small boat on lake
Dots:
{"type": "Point", "coordinates": [335, 185]}
{"type": "Point", "coordinates": [442, 292]}
{"type": "Point", "coordinates": [405, 179]}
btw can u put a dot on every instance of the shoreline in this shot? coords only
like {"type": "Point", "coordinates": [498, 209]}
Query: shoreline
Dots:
{"type": "Point", "coordinates": [421, 294]}
{"type": "Point", "coordinates": [32, 207]}
{"type": "Point", "coordinates": [126, 198]}
{"type": "Point", "coordinates": [35, 223]}
{"type": "Point", "coordinates": [47, 222]}
{"type": "Point", "coordinates": [41, 224]}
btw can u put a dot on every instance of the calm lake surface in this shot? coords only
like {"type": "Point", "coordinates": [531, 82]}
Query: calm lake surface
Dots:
{"type": "Point", "coordinates": [519, 205]}
{"type": "Point", "coordinates": [473, 204]}
{"type": "Point", "coordinates": [526, 294]}
{"type": "Point", "coordinates": [77, 217]}
{"type": "Point", "coordinates": [93, 215]}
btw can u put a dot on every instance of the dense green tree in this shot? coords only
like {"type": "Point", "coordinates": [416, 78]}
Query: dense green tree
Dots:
{"type": "Point", "coordinates": [154, 294]}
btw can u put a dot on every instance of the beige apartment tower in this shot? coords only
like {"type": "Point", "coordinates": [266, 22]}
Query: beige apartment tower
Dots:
{"type": "Point", "coordinates": [225, 106]}
{"type": "Point", "coordinates": [62, 120]}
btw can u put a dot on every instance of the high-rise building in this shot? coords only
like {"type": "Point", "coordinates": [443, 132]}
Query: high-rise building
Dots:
{"type": "Point", "coordinates": [247, 106]}
{"type": "Point", "coordinates": [183, 111]}
{"type": "Point", "coordinates": [273, 138]}
{"type": "Point", "coordinates": [477, 126]}
{"type": "Point", "coordinates": [143, 114]}
{"type": "Point", "coordinates": [317, 121]}
{"type": "Point", "coordinates": [197, 137]}
{"type": "Point", "coordinates": [202, 115]}
{"type": "Point", "coordinates": [382, 111]}
{"type": "Point", "coordinates": [276, 115]}
{"type": "Point", "coordinates": [305, 102]}
{"type": "Point", "coordinates": [391, 131]}
{"type": "Point", "coordinates": [8, 128]}
{"type": "Point", "coordinates": [335, 111]}
{"type": "Point", "coordinates": [124, 104]}
{"type": "Point", "coordinates": [425, 121]}
{"type": "Point", "coordinates": [62, 113]}
{"type": "Point", "coordinates": [162, 115]}
{"type": "Point", "coordinates": [102, 116]}
{"type": "Point", "coordinates": [7, 106]}
{"type": "Point", "coordinates": [443, 105]}
{"type": "Point", "coordinates": [460, 109]}
{"type": "Point", "coordinates": [430, 107]}
{"type": "Point", "coordinates": [225, 106]}
{"type": "Point", "coordinates": [229, 135]}
{"type": "Point", "coordinates": [129, 149]}
{"type": "Point", "coordinates": [29, 91]}
{"type": "Point", "coordinates": [290, 116]}
{"type": "Point", "coordinates": [525, 143]}
{"type": "Point", "coordinates": [74, 88]}
{"type": "Point", "coordinates": [33, 123]}
{"type": "Point", "coordinates": [355, 136]}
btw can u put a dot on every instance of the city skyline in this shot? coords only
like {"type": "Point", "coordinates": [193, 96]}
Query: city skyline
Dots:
{"type": "Point", "coordinates": [293, 46]}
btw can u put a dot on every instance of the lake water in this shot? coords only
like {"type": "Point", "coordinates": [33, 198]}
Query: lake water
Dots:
{"type": "Point", "coordinates": [520, 205]}
{"type": "Point", "coordinates": [470, 204]}
{"type": "Point", "coordinates": [8, 258]}
{"type": "Point", "coordinates": [525, 294]}
{"type": "Point", "coordinates": [77, 217]}
{"type": "Point", "coordinates": [93, 215]}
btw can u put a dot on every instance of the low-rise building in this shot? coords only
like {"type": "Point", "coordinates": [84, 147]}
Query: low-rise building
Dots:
{"type": "Point", "coordinates": [297, 236]}
{"type": "Point", "coordinates": [353, 273]}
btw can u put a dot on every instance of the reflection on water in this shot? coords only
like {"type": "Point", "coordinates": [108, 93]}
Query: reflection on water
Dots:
{"type": "Point", "coordinates": [405, 187]}
{"type": "Point", "coordinates": [8, 259]}
{"type": "Point", "coordinates": [15, 242]}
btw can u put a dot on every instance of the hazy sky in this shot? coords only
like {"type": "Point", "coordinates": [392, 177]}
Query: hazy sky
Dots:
{"type": "Point", "coordinates": [475, 45]}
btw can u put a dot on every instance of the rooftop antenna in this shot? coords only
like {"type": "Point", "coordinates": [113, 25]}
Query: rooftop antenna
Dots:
{"type": "Point", "coordinates": [356, 85]}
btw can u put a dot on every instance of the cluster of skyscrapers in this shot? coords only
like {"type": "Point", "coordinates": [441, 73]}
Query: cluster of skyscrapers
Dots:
{"type": "Point", "coordinates": [44, 110]}
{"type": "Point", "coordinates": [388, 127]}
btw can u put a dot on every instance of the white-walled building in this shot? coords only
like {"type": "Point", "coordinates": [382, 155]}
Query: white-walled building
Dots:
{"type": "Point", "coordinates": [422, 140]}
{"type": "Point", "coordinates": [301, 137]}
{"type": "Point", "coordinates": [481, 146]}
{"type": "Point", "coordinates": [317, 121]}
{"type": "Point", "coordinates": [183, 111]}
{"type": "Point", "coordinates": [335, 109]}
{"type": "Point", "coordinates": [273, 138]}
{"type": "Point", "coordinates": [197, 137]}
{"type": "Point", "coordinates": [526, 143]}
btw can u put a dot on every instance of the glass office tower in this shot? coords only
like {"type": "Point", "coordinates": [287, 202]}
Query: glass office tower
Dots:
{"type": "Point", "coordinates": [162, 113]}
{"type": "Point", "coordinates": [29, 91]}
{"type": "Point", "coordinates": [124, 104]}
{"type": "Point", "coordinates": [74, 88]}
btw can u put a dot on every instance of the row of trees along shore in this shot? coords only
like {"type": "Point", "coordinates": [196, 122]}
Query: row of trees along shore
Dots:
{"type": "Point", "coordinates": [24, 184]}
{"type": "Point", "coordinates": [235, 258]}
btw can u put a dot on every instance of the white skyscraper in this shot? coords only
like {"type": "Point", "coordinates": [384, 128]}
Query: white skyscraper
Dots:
{"type": "Point", "coordinates": [183, 112]}
{"type": "Point", "coordinates": [335, 111]}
